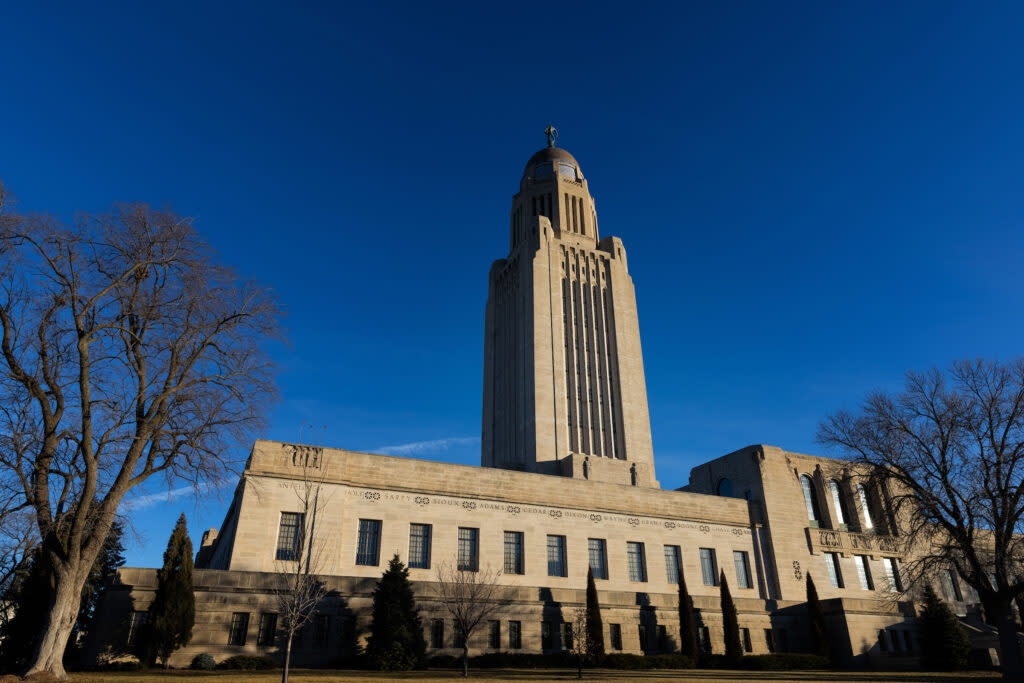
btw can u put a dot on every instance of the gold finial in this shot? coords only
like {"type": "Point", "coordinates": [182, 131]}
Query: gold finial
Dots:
{"type": "Point", "coordinates": [552, 134]}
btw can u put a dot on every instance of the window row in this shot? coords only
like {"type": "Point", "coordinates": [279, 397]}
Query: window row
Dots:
{"type": "Point", "coordinates": [556, 635]}
{"type": "Point", "coordinates": [468, 554]}
{"type": "Point", "coordinates": [871, 502]}
{"type": "Point", "coordinates": [835, 574]}
{"type": "Point", "coordinates": [553, 635]}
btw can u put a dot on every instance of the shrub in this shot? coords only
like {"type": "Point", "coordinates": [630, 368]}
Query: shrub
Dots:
{"type": "Point", "coordinates": [443, 662]}
{"type": "Point", "coordinates": [248, 663]}
{"type": "Point", "coordinates": [787, 661]}
{"type": "Point", "coordinates": [622, 660]}
{"type": "Point", "coordinates": [203, 662]}
{"type": "Point", "coordinates": [356, 661]}
{"type": "Point", "coordinates": [122, 665]}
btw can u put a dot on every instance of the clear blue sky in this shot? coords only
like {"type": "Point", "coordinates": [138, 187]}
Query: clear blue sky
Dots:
{"type": "Point", "coordinates": [815, 196]}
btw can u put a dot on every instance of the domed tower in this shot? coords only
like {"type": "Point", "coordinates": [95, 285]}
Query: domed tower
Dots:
{"type": "Point", "coordinates": [564, 388]}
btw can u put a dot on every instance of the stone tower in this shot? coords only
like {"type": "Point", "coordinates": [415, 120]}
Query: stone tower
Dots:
{"type": "Point", "coordinates": [564, 389]}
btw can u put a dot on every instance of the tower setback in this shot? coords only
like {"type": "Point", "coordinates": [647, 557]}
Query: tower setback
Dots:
{"type": "Point", "coordinates": [564, 388]}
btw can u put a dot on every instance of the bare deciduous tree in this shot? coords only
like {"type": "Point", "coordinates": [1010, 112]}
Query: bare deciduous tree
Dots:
{"type": "Point", "coordinates": [951, 448]}
{"type": "Point", "coordinates": [127, 353]}
{"type": "Point", "coordinates": [584, 645]}
{"type": "Point", "coordinates": [301, 590]}
{"type": "Point", "coordinates": [470, 597]}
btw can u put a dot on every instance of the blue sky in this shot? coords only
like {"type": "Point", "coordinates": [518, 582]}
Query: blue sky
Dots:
{"type": "Point", "coordinates": [815, 197]}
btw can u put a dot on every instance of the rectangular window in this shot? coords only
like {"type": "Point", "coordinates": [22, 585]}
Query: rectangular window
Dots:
{"type": "Point", "coordinates": [289, 535]}
{"type": "Point", "coordinates": [662, 638]}
{"type": "Point", "coordinates": [437, 634]}
{"type": "Point", "coordinates": [635, 561]}
{"type": "Point", "coordinates": [598, 552]}
{"type": "Point", "coordinates": [950, 587]}
{"type": "Point", "coordinates": [783, 643]}
{"type": "Point", "coordinates": [494, 635]}
{"type": "Point", "coordinates": [368, 548]}
{"type": "Point", "coordinates": [419, 546]}
{"type": "Point", "coordinates": [673, 561]}
{"type": "Point", "coordinates": [708, 567]}
{"type": "Point", "coordinates": [135, 624]}
{"type": "Point", "coordinates": [835, 576]}
{"type": "Point", "coordinates": [556, 556]}
{"type": "Point", "coordinates": [641, 631]}
{"type": "Point", "coordinates": [514, 552]}
{"type": "Point", "coordinates": [745, 640]}
{"type": "Point", "coordinates": [565, 634]}
{"type": "Point", "coordinates": [739, 558]}
{"type": "Point", "coordinates": [460, 636]}
{"type": "Point", "coordinates": [239, 628]}
{"type": "Point", "coordinates": [469, 549]}
{"type": "Point", "coordinates": [705, 640]}
{"type": "Point", "coordinates": [322, 627]}
{"type": "Point", "coordinates": [268, 629]}
{"type": "Point", "coordinates": [769, 640]}
{"type": "Point", "coordinates": [892, 575]}
{"type": "Point", "coordinates": [615, 635]}
{"type": "Point", "coordinates": [883, 642]}
{"type": "Point", "coordinates": [863, 572]}
{"type": "Point", "coordinates": [545, 635]}
{"type": "Point", "coordinates": [515, 635]}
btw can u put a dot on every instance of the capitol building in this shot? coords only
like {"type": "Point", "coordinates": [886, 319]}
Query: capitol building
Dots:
{"type": "Point", "coordinates": [566, 482]}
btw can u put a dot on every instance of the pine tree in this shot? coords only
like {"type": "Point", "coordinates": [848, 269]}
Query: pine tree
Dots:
{"type": "Point", "coordinates": [731, 624]}
{"type": "Point", "coordinates": [687, 621]}
{"type": "Point", "coordinates": [944, 645]}
{"type": "Point", "coordinates": [173, 611]}
{"type": "Point", "coordinates": [816, 621]}
{"type": "Point", "coordinates": [396, 635]}
{"type": "Point", "coordinates": [110, 559]}
{"type": "Point", "coordinates": [595, 627]}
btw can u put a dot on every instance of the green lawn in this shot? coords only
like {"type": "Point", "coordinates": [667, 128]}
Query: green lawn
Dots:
{"type": "Point", "coordinates": [532, 675]}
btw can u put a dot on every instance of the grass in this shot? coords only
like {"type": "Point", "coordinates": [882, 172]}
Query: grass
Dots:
{"type": "Point", "coordinates": [531, 675]}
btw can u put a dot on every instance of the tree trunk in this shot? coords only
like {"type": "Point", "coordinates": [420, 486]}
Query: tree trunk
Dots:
{"type": "Point", "coordinates": [287, 659]}
{"type": "Point", "coordinates": [49, 654]}
{"type": "Point", "coordinates": [465, 659]}
{"type": "Point", "coordinates": [579, 667]}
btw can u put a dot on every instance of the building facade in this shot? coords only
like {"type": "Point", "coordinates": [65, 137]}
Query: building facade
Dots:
{"type": "Point", "coordinates": [567, 484]}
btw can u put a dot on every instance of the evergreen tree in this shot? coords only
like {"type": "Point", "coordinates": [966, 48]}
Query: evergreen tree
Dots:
{"type": "Point", "coordinates": [595, 627]}
{"type": "Point", "coordinates": [110, 559]}
{"type": "Point", "coordinates": [816, 621]}
{"type": "Point", "coordinates": [173, 611]}
{"type": "Point", "coordinates": [687, 621]}
{"type": "Point", "coordinates": [396, 635]}
{"type": "Point", "coordinates": [730, 623]}
{"type": "Point", "coordinates": [29, 593]}
{"type": "Point", "coordinates": [944, 645]}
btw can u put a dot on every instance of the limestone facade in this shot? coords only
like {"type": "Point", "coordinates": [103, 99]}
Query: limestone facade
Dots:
{"type": "Point", "coordinates": [564, 388]}
{"type": "Point", "coordinates": [567, 484]}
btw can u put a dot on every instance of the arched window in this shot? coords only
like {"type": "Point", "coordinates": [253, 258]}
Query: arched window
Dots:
{"type": "Point", "coordinates": [865, 509]}
{"type": "Point", "coordinates": [725, 487]}
{"type": "Point", "coordinates": [839, 501]}
{"type": "Point", "coordinates": [810, 500]}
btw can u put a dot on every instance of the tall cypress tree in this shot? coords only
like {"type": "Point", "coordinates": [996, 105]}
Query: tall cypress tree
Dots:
{"type": "Point", "coordinates": [730, 623]}
{"type": "Point", "coordinates": [944, 645]}
{"type": "Point", "coordinates": [687, 622]}
{"type": "Point", "coordinates": [396, 634]}
{"type": "Point", "coordinates": [595, 627]}
{"type": "Point", "coordinates": [816, 621]}
{"type": "Point", "coordinates": [173, 611]}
